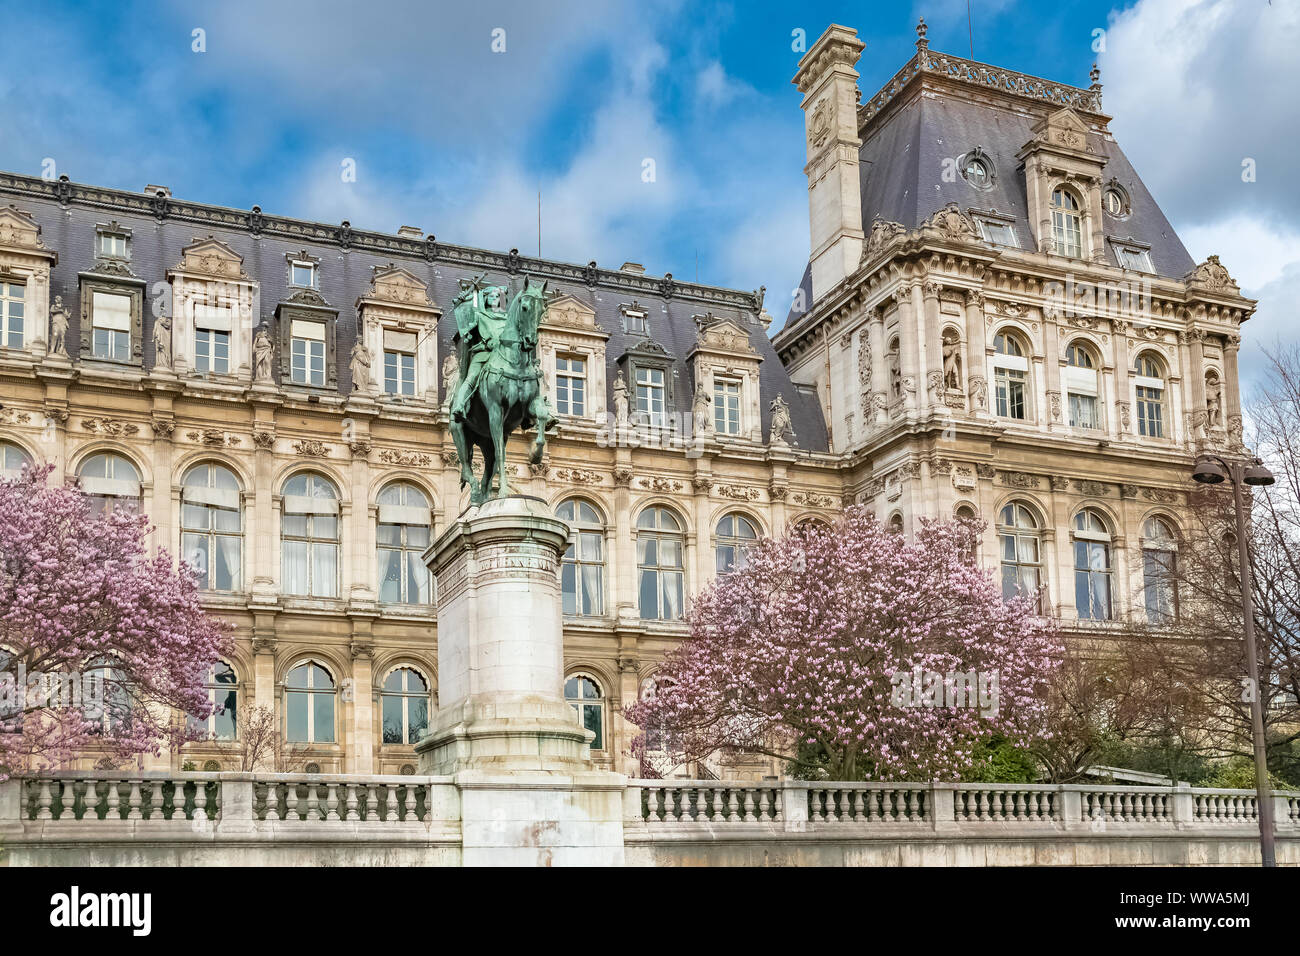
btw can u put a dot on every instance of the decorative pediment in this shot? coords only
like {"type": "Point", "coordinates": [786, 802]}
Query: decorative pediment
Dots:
{"type": "Point", "coordinates": [951, 223]}
{"type": "Point", "coordinates": [212, 257]}
{"type": "Point", "coordinates": [307, 297]}
{"type": "Point", "coordinates": [20, 231]}
{"type": "Point", "coordinates": [648, 348]}
{"type": "Point", "coordinates": [1212, 275]}
{"type": "Point", "coordinates": [569, 312]}
{"type": "Point", "coordinates": [1063, 130]}
{"type": "Point", "coordinates": [883, 232]}
{"type": "Point", "coordinates": [722, 334]}
{"type": "Point", "coordinates": [397, 286]}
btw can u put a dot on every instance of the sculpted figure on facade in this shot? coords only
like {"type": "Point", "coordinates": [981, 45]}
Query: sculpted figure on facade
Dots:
{"type": "Point", "coordinates": [701, 410]}
{"type": "Point", "coordinates": [620, 399]}
{"type": "Point", "coordinates": [263, 351]}
{"type": "Point", "coordinates": [162, 342]}
{"type": "Point", "coordinates": [1214, 405]}
{"type": "Point", "coordinates": [450, 377]}
{"type": "Point", "coordinates": [360, 367]}
{"type": "Point", "coordinates": [951, 362]}
{"type": "Point", "coordinates": [894, 362]}
{"type": "Point", "coordinates": [979, 392]}
{"type": "Point", "coordinates": [59, 328]}
{"type": "Point", "coordinates": [781, 426]}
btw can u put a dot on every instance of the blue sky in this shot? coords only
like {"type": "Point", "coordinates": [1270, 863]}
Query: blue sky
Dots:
{"type": "Point", "coordinates": [450, 136]}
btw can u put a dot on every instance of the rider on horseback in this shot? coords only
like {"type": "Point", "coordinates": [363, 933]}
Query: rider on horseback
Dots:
{"type": "Point", "coordinates": [480, 317]}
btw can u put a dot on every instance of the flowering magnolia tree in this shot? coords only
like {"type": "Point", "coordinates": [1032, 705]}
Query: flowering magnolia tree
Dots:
{"type": "Point", "coordinates": [849, 652]}
{"type": "Point", "coordinates": [101, 646]}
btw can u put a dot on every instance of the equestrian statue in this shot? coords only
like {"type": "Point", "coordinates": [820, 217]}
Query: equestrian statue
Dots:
{"type": "Point", "coordinates": [500, 387]}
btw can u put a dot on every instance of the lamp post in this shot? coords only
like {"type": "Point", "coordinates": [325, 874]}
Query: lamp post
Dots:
{"type": "Point", "coordinates": [1210, 470]}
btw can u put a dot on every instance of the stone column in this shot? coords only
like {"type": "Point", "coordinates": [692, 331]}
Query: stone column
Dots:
{"type": "Point", "coordinates": [932, 344]}
{"type": "Point", "coordinates": [1198, 425]}
{"type": "Point", "coordinates": [879, 367]}
{"type": "Point", "coordinates": [976, 361]}
{"type": "Point", "coordinates": [521, 761]}
{"type": "Point", "coordinates": [1123, 417]}
{"type": "Point", "coordinates": [918, 330]}
{"type": "Point", "coordinates": [1232, 388]}
{"type": "Point", "coordinates": [909, 344]}
{"type": "Point", "coordinates": [1057, 413]}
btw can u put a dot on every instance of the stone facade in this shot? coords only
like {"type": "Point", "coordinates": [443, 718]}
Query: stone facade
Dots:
{"type": "Point", "coordinates": [939, 351]}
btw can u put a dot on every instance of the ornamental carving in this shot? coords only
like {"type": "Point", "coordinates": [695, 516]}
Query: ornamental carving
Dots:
{"type": "Point", "coordinates": [1059, 483]}
{"type": "Point", "coordinates": [1094, 489]}
{"type": "Point", "coordinates": [110, 426]}
{"type": "Point", "coordinates": [1020, 479]}
{"type": "Point", "coordinates": [813, 500]}
{"type": "Point", "coordinates": [737, 492]}
{"type": "Point", "coordinates": [819, 124]}
{"type": "Point", "coordinates": [310, 448]}
{"type": "Point", "coordinates": [578, 476]}
{"type": "Point", "coordinates": [163, 427]}
{"type": "Point", "coordinates": [702, 484]}
{"type": "Point", "coordinates": [449, 456]}
{"type": "Point", "coordinates": [940, 466]}
{"type": "Point", "coordinates": [359, 449]}
{"type": "Point", "coordinates": [883, 232]}
{"type": "Point", "coordinates": [952, 223]}
{"type": "Point", "coordinates": [661, 485]}
{"type": "Point", "coordinates": [623, 477]}
{"type": "Point", "coordinates": [1129, 491]}
{"type": "Point", "coordinates": [1213, 275]}
{"type": "Point", "coordinates": [408, 459]}
{"type": "Point", "coordinates": [1054, 399]}
{"type": "Point", "coordinates": [213, 437]}
{"type": "Point", "coordinates": [777, 491]}
{"type": "Point", "coordinates": [264, 439]}
{"type": "Point", "coordinates": [12, 416]}
{"type": "Point", "coordinates": [985, 470]}
{"type": "Point", "coordinates": [1161, 495]}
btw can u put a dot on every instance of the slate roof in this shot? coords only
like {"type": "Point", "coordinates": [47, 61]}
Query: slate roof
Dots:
{"type": "Point", "coordinates": [345, 275]}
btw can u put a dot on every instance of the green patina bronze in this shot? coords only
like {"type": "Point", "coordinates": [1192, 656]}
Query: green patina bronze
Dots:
{"type": "Point", "coordinates": [501, 379]}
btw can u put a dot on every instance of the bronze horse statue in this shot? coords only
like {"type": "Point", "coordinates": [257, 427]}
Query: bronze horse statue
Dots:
{"type": "Point", "coordinates": [503, 380]}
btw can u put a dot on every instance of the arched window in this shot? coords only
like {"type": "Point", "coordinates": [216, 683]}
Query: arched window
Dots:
{"type": "Point", "coordinates": [896, 522]}
{"type": "Point", "coordinates": [660, 548]}
{"type": "Point", "coordinates": [12, 460]}
{"type": "Point", "coordinates": [403, 532]}
{"type": "Point", "coordinates": [405, 702]}
{"type": "Point", "coordinates": [1021, 555]}
{"type": "Point", "coordinates": [309, 705]}
{"type": "Point", "coordinates": [1010, 377]}
{"type": "Point", "coordinates": [1067, 224]}
{"type": "Point", "coordinates": [584, 695]}
{"type": "Point", "coordinates": [1092, 568]}
{"type": "Point", "coordinates": [582, 572]}
{"type": "Point", "coordinates": [309, 536]}
{"type": "Point", "coordinates": [115, 696]}
{"type": "Point", "coordinates": [1159, 571]}
{"type": "Point", "coordinates": [1150, 384]}
{"type": "Point", "coordinates": [736, 535]}
{"type": "Point", "coordinates": [212, 526]}
{"type": "Point", "coordinates": [1081, 386]}
{"type": "Point", "coordinates": [223, 691]}
{"type": "Point", "coordinates": [110, 481]}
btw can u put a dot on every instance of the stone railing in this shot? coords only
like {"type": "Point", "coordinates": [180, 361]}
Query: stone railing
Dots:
{"type": "Point", "coordinates": [796, 804]}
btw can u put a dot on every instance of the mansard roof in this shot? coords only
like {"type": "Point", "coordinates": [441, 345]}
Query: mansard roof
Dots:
{"type": "Point", "coordinates": [162, 227]}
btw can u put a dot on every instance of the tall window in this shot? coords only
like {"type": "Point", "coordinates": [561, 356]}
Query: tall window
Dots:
{"type": "Point", "coordinates": [12, 460]}
{"type": "Point", "coordinates": [1020, 547]}
{"type": "Point", "coordinates": [302, 274]}
{"type": "Point", "coordinates": [212, 325]}
{"type": "Point", "coordinates": [309, 537]}
{"type": "Point", "coordinates": [583, 569]}
{"type": "Point", "coordinates": [403, 531]}
{"type": "Point", "coordinates": [399, 362]}
{"type": "Point", "coordinates": [111, 321]}
{"type": "Point", "coordinates": [650, 400]}
{"type": "Point", "coordinates": [405, 703]}
{"type": "Point", "coordinates": [211, 526]}
{"type": "Point", "coordinates": [1010, 374]}
{"type": "Point", "coordinates": [726, 406]}
{"type": "Point", "coordinates": [309, 705]}
{"type": "Point", "coordinates": [1067, 224]}
{"type": "Point", "coordinates": [584, 695]}
{"type": "Point", "coordinates": [1081, 387]}
{"type": "Point", "coordinates": [1092, 587]}
{"type": "Point", "coordinates": [1159, 571]}
{"type": "Point", "coordinates": [1150, 384]}
{"type": "Point", "coordinates": [570, 385]}
{"type": "Point", "coordinates": [660, 545]}
{"type": "Point", "coordinates": [13, 304]}
{"type": "Point", "coordinates": [736, 535]}
{"type": "Point", "coordinates": [110, 481]}
{"type": "Point", "coordinates": [223, 692]}
{"type": "Point", "coordinates": [307, 353]}
{"type": "Point", "coordinates": [116, 696]}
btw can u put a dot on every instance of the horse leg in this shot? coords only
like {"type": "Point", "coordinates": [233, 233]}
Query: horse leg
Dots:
{"type": "Point", "coordinates": [464, 451]}
{"type": "Point", "coordinates": [489, 468]}
{"type": "Point", "coordinates": [496, 420]}
{"type": "Point", "coordinates": [540, 411]}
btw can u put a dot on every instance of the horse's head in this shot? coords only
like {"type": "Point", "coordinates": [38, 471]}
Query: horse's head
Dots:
{"type": "Point", "coordinates": [529, 306]}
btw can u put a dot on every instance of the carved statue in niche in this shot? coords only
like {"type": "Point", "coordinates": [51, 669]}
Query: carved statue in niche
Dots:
{"type": "Point", "coordinates": [1214, 404]}
{"type": "Point", "coordinates": [262, 353]}
{"type": "Point", "coordinates": [979, 392]}
{"type": "Point", "coordinates": [951, 361]}
{"type": "Point", "coordinates": [59, 328]}
{"type": "Point", "coordinates": [162, 342]}
{"type": "Point", "coordinates": [895, 372]}
{"type": "Point", "coordinates": [450, 375]}
{"type": "Point", "coordinates": [701, 410]}
{"type": "Point", "coordinates": [620, 399]}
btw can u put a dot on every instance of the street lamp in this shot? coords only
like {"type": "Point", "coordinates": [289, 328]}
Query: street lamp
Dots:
{"type": "Point", "coordinates": [1210, 470]}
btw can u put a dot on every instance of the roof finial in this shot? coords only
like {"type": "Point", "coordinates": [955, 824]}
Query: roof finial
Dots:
{"type": "Point", "coordinates": [1095, 75]}
{"type": "Point", "coordinates": [1095, 89]}
{"type": "Point", "coordinates": [921, 30]}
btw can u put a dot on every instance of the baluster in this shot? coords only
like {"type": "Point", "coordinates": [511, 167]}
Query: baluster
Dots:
{"type": "Point", "coordinates": [43, 801]}
{"type": "Point", "coordinates": [913, 813]}
{"type": "Point", "coordinates": [410, 804]}
{"type": "Point", "coordinates": [390, 803]}
{"type": "Point", "coordinates": [78, 790]}
{"type": "Point", "coordinates": [291, 802]}
{"type": "Point", "coordinates": [1018, 807]}
{"type": "Point", "coordinates": [350, 791]}
{"type": "Point", "coordinates": [751, 806]}
{"type": "Point", "coordinates": [313, 801]}
{"type": "Point", "coordinates": [133, 802]}
{"type": "Point", "coordinates": [859, 804]}
{"type": "Point", "coordinates": [272, 801]}
{"type": "Point", "coordinates": [331, 802]}
{"type": "Point", "coordinates": [114, 801]}
{"type": "Point", "coordinates": [764, 807]}
{"type": "Point", "coordinates": [200, 800]}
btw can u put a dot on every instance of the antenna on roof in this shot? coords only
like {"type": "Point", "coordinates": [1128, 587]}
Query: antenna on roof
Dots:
{"type": "Point", "coordinates": [539, 223]}
{"type": "Point", "coordinates": [970, 30]}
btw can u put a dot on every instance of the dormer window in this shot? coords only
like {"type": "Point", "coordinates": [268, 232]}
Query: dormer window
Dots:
{"type": "Point", "coordinates": [634, 320]}
{"type": "Point", "coordinates": [307, 353]}
{"type": "Point", "coordinates": [1115, 201]}
{"type": "Point", "coordinates": [1067, 224]}
{"type": "Point", "coordinates": [977, 169]}
{"type": "Point", "coordinates": [302, 274]}
{"type": "Point", "coordinates": [212, 327]}
{"type": "Point", "coordinates": [997, 230]}
{"type": "Point", "coordinates": [13, 305]}
{"type": "Point", "coordinates": [1133, 258]}
{"type": "Point", "coordinates": [112, 245]}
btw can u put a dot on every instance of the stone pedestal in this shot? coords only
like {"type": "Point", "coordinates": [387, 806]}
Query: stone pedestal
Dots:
{"type": "Point", "coordinates": [521, 760]}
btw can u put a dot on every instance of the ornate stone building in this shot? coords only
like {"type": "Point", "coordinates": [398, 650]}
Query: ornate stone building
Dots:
{"type": "Point", "coordinates": [1016, 333]}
